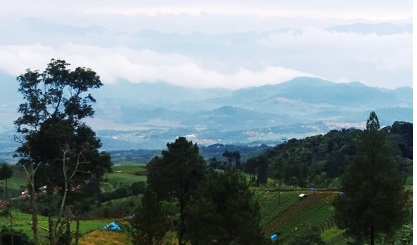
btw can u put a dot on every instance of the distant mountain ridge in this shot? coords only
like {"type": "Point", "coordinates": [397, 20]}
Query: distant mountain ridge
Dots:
{"type": "Point", "coordinates": [149, 115]}
{"type": "Point", "coordinates": [266, 114]}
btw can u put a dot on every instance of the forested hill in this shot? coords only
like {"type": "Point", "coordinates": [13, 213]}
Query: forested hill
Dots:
{"type": "Point", "coordinates": [319, 160]}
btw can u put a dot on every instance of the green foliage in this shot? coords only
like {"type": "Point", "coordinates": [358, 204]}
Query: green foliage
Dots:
{"type": "Point", "coordinates": [317, 160]}
{"type": "Point", "coordinates": [22, 225]}
{"type": "Point", "coordinates": [259, 166]}
{"type": "Point", "coordinates": [6, 171]}
{"type": "Point", "coordinates": [151, 221]}
{"type": "Point", "coordinates": [374, 199]}
{"type": "Point", "coordinates": [123, 191]}
{"type": "Point", "coordinates": [51, 126]}
{"type": "Point", "coordinates": [309, 237]}
{"type": "Point", "coordinates": [308, 158]}
{"type": "Point", "coordinates": [233, 158]}
{"type": "Point", "coordinates": [57, 148]}
{"type": "Point", "coordinates": [176, 175]}
{"type": "Point", "coordinates": [224, 210]}
{"type": "Point", "coordinates": [19, 238]}
{"type": "Point", "coordinates": [332, 234]}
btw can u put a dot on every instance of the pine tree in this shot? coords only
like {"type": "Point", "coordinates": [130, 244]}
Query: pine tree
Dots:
{"type": "Point", "coordinates": [374, 199]}
{"type": "Point", "coordinates": [176, 175]}
{"type": "Point", "coordinates": [224, 211]}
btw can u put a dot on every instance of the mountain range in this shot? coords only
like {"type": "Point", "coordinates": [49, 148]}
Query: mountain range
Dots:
{"type": "Point", "coordinates": [149, 115]}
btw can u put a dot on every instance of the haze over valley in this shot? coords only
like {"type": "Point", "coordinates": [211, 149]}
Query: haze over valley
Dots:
{"type": "Point", "coordinates": [149, 115]}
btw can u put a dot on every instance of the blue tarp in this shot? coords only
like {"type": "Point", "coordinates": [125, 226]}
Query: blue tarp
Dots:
{"type": "Point", "coordinates": [113, 226]}
{"type": "Point", "coordinates": [274, 237]}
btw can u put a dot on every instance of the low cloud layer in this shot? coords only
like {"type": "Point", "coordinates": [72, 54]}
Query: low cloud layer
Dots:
{"type": "Point", "coordinates": [214, 44]}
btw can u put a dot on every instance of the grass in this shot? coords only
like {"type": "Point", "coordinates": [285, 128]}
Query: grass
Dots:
{"type": "Point", "coordinates": [332, 234]}
{"type": "Point", "coordinates": [126, 174]}
{"type": "Point", "coordinates": [105, 238]}
{"type": "Point", "coordinates": [23, 222]}
{"type": "Point", "coordinates": [16, 184]}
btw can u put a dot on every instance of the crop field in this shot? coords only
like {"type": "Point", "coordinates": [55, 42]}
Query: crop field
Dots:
{"type": "Point", "coordinates": [274, 203]}
{"type": "Point", "coordinates": [294, 214]}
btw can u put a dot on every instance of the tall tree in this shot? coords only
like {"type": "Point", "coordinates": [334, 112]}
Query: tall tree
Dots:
{"type": "Point", "coordinates": [151, 221]}
{"type": "Point", "coordinates": [374, 199]}
{"type": "Point", "coordinates": [57, 147]}
{"type": "Point", "coordinates": [232, 156]}
{"type": "Point", "coordinates": [224, 211]}
{"type": "Point", "coordinates": [6, 172]}
{"type": "Point", "coordinates": [176, 175]}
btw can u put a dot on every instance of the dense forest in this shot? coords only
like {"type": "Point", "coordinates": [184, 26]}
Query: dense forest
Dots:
{"type": "Point", "coordinates": [316, 160]}
{"type": "Point", "coordinates": [319, 160]}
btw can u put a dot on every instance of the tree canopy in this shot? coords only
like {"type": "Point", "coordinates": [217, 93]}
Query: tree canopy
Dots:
{"type": "Point", "coordinates": [57, 148]}
{"type": "Point", "coordinates": [51, 126]}
{"type": "Point", "coordinates": [224, 211]}
{"type": "Point", "coordinates": [176, 175]}
{"type": "Point", "coordinates": [319, 160]}
{"type": "Point", "coordinates": [374, 199]}
{"type": "Point", "coordinates": [151, 221]}
{"type": "Point", "coordinates": [213, 206]}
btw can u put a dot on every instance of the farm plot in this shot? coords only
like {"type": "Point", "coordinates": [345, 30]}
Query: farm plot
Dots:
{"type": "Point", "coordinates": [315, 211]}
{"type": "Point", "coordinates": [273, 204]}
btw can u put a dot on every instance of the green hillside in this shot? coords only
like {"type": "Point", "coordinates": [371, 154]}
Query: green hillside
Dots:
{"type": "Point", "coordinates": [282, 212]}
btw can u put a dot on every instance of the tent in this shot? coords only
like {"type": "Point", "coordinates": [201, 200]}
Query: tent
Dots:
{"type": "Point", "coordinates": [113, 226]}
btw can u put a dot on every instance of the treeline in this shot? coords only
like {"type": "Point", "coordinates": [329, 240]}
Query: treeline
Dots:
{"type": "Point", "coordinates": [319, 160]}
{"type": "Point", "coordinates": [214, 151]}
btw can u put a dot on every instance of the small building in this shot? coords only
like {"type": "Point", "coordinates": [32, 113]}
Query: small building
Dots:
{"type": "Point", "coordinates": [302, 196]}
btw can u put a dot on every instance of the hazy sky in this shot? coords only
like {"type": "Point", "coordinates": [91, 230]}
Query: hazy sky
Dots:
{"type": "Point", "coordinates": [213, 43]}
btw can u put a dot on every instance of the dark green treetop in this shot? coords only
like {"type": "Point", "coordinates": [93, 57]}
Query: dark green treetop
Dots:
{"type": "Point", "coordinates": [374, 199]}
{"type": "Point", "coordinates": [6, 171]}
{"type": "Point", "coordinates": [50, 125]}
{"type": "Point", "coordinates": [151, 221]}
{"type": "Point", "coordinates": [176, 175]}
{"type": "Point", "coordinates": [224, 211]}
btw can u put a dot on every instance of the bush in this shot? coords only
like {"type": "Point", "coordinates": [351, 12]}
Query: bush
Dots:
{"type": "Point", "coordinates": [309, 237]}
{"type": "Point", "coordinates": [19, 237]}
{"type": "Point", "coordinates": [138, 187]}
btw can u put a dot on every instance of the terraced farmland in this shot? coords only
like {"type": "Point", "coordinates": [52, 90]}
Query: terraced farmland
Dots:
{"type": "Point", "coordinates": [295, 215]}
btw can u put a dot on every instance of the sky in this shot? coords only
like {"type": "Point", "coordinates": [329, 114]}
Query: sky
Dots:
{"type": "Point", "coordinates": [213, 43]}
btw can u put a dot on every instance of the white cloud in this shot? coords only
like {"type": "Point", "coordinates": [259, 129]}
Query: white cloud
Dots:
{"type": "Point", "coordinates": [369, 58]}
{"type": "Point", "coordinates": [104, 35]}
{"type": "Point", "coordinates": [113, 64]}
{"type": "Point", "coordinates": [15, 59]}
